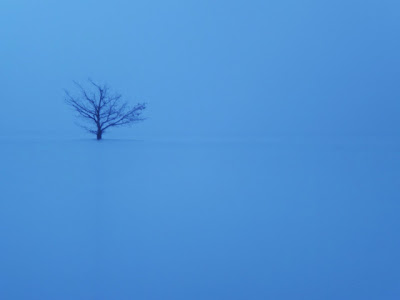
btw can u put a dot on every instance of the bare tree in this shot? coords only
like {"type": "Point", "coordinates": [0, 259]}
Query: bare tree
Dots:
{"type": "Point", "coordinates": [101, 109]}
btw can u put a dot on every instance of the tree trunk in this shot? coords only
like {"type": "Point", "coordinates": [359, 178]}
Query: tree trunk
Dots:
{"type": "Point", "coordinates": [99, 135]}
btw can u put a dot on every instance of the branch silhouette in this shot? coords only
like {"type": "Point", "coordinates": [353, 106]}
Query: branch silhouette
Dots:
{"type": "Point", "coordinates": [102, 109]}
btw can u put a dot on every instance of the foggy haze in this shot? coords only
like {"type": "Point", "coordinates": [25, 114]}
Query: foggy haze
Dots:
{"type": "Point", "coordinates": [207, 68]}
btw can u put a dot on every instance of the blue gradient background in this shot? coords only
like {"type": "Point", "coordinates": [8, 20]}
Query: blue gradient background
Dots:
{"type": "Point", "coordinates": [208, 67]}
{"type": "Point", "coordinates": [268, 168]}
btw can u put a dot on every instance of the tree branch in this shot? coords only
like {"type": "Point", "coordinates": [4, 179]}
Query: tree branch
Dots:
{"type": "Point", "coordinates": [104, 110]}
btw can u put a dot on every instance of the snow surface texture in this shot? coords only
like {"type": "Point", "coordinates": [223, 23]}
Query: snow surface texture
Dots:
{"type": "Point", "coordinates": [186, 219]}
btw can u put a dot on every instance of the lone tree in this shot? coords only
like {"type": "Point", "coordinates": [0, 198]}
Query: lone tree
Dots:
{"type": "Point", "coordinates": [101, 109]}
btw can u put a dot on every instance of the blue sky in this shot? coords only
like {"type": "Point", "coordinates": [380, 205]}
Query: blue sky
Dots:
{"type": "Point", "coordinates": [207, 67]}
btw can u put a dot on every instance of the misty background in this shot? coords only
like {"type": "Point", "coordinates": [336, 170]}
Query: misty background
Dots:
{"type": "Point", "coordinates": [206, 68]}
{"type": "Point", "coordinates": [268, 167]}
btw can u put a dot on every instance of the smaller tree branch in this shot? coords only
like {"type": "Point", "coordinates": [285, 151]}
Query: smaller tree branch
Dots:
{"type": "Point", "coordinates": [103, 111]}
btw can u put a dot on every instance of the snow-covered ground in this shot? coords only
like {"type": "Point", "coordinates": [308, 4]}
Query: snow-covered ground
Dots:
{"type": "Point", "coordinates": [279, 218]}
